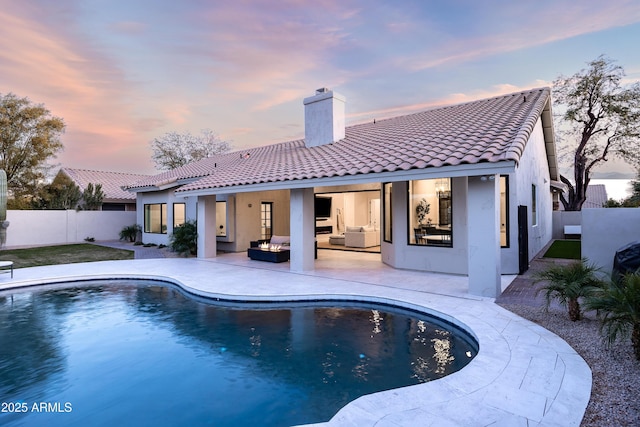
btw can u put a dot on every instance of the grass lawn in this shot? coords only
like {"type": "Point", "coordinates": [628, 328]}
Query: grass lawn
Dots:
{"type": "Point", "coordinates": [567, 249]}
{"type": "Point", "coordinates": [62, 254]}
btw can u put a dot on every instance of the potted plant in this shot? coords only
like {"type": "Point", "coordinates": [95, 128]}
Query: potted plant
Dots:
{"type": "Point", "coordinates": [422, 210]}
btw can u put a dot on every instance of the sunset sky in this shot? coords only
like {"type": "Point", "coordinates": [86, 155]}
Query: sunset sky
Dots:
{"type": "Point", "coordinates": [123, 72]}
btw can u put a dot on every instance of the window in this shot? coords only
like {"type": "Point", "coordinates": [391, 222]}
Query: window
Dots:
{"type": "Point", "coordinates": [430, 219]}
{"type": "Point", "coordinates": [266, 220]}
{"type": "Point", "coordinates": [534, 205]}
{"type": "Point", "coordinates": [504, 211]}
{"type": "Point", "coordinates": [179, 214]}
{"type": "Point", "coordinates": [155, 218]}
{"type": "Point", "coordinates": [387, 217]}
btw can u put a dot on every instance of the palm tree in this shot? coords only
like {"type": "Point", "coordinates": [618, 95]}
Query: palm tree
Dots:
{"type": "Point", "coordinates": [618, 304]}
{"type": "Point", "coordinates": [567, 284]}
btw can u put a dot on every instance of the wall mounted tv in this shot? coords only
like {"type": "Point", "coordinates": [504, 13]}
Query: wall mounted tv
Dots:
{"type": "Point", "coordinates": [323, 207]}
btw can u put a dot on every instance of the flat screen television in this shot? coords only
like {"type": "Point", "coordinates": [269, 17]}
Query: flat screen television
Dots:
{"type": "Point", "coordinates": [323, 207]}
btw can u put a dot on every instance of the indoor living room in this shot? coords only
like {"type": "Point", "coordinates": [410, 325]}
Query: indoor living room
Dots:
{"type": "Point", "coordinates": [348, 220]}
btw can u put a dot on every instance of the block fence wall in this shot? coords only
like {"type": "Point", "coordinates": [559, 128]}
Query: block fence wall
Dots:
{"type": "Point", "coordinates": [604, 231]}
{"type": "Point", "coordinates": [43, 227]}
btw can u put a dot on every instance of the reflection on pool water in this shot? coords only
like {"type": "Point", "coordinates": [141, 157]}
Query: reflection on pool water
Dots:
{"type": "Point", "coordinates": [144, 353]}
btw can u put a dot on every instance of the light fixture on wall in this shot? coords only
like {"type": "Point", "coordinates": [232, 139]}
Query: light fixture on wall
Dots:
{"type": "Point", "coordinates": [487, 177]}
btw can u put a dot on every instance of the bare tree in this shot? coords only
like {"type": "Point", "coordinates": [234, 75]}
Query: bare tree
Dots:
{"type": "Point", "coordinates": [173, 149]}
{"type": "Point", "coordinates": [600, 119]}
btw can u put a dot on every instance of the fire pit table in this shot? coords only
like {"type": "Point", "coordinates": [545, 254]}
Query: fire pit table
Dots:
{"type": "Point", "coordinates": [267, 255]}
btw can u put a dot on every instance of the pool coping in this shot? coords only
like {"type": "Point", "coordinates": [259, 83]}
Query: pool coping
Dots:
{"type": "Point", "coordinates": [523, 375]}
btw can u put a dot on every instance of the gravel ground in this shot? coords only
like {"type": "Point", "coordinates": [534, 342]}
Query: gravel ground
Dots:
{"type": "Point", "coordinates": [616, 373]}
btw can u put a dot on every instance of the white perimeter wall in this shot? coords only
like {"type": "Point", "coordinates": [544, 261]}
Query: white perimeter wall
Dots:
{"type": "Point", "coordinates": [44, 227]}
{"type": "Point", "coordinates": [604, 231]}
{"type": "Point", "coordinates": [562, 218]}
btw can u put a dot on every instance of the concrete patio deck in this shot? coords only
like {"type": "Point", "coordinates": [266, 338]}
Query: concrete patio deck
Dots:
{"type": "Point", "coordinates": [523, 374]}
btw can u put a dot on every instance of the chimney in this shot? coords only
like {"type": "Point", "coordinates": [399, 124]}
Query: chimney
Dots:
{"type": "Point", "coordinates": [323, 118]}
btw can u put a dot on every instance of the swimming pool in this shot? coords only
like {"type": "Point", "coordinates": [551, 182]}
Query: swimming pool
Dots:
{"type": "Point", "coordinates": [142, 352]}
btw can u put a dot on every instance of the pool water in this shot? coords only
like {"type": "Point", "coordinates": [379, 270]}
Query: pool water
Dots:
{"type": "Point", "coordinates": [145, 353]}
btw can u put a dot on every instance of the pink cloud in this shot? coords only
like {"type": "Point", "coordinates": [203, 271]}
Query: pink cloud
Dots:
{"type": "Point", "coordinates": [129, 27]}
{"type": "Point", "coordinates": [74, 80]}
{"type": "Point", "coordinates": [274, 52]}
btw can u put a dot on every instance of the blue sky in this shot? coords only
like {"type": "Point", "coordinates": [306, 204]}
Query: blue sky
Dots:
{"type": "Point", "coordinates": [123, 72]}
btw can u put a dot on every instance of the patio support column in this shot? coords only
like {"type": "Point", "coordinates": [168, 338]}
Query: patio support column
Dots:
{"type": "Point", "coordinates": [206, 226]}
{"type": "Point", "coordinates": [302, 229]}
{"type": "Point", "coordinates": [483, 224]}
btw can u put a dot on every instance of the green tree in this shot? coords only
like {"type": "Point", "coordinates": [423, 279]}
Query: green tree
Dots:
{"type": "Point", "coordinates": [634, 198]}
{"type": "Point", "coordinates": [173, 149]}
{"type": "Point", "coordinates": [600, 119]}
{"type": "Point", "coordinates": [618, 305]}
{"type": "Point", "coordinates": [567, 284]}
{"type": "Point", "coordinates": [93, 197]}
{"type": "Point", "coordinates": [29, 137]}
{"type": "Point", "coordinates": [62, 193]}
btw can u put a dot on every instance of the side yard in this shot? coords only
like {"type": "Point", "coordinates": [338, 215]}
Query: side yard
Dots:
{"type": "Point", "coordinates": [616, 372]}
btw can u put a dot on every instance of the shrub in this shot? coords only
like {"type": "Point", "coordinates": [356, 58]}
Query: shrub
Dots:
{"type": "Point", "coordinates": [569, 283]}
{"type": "Point", "coordinates": [618, 306]}
{"type": "Point", "coordinates": [130, 232]}
{"type": "Point", "coordinates": [184, 239]}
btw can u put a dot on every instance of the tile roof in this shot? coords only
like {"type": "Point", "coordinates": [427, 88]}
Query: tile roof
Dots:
{"type": "Point", "coordinates": [112, 182]}
{"type": "Point", "coordinates": [489, 130]}
{"type": "Point", "coordinates": [596, 196]}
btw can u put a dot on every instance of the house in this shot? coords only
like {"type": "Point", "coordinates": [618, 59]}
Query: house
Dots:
{"type": "Point", "coordinates": [115, 197]}
{"type": "Point", "coordinates": [464, 189]}
{"type": "Point", "coordinates": [596, 196]}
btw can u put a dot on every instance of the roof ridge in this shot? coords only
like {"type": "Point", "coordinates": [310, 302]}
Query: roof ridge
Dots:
{"type": "Point", "coordinates": [516, 148]}
{"type": "Point", "coordinates": [455, 105]}
{"type": "Point", "coordinates": [102, 171]}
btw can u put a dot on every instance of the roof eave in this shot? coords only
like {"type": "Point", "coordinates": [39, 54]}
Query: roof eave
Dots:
{"type": "Point", "coordinates": [163, 185]}
{"type": "Point", "coordinates": [476, 169]}
{"type": "Point", "coordinates": [549, 140]}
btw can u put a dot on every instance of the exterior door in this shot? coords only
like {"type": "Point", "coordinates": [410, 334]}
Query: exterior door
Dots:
{"type": "Point", "coordinates": [523, 239]}
{"type": "Point", "coordinates": [266, 220]}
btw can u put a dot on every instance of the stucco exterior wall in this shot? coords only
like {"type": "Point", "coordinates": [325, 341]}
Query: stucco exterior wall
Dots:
{"type": "Point", "coordinates": [243, 217]}
{"type": "Point", "coordinates": [247, 218]}
{"type": "Point", "coordinates": [49, 227]}
{"type": "Point", "coordinates": [400, 254]}
{"type": "Point", "coordinates": [604, 231]}
{"type": "Point", "coordinates": [562, 218]}
{"type": "Point", "coordinates": [169, 197]}
{"type": "Point", "coordinates": [532, 169]}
